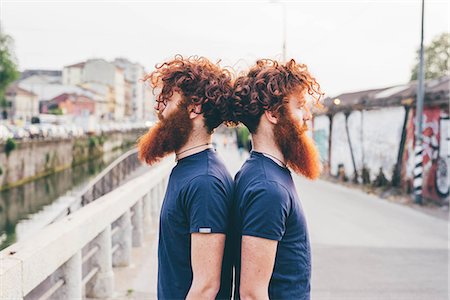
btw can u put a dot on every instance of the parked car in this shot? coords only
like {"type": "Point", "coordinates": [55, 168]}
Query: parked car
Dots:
{"type": "Point", "coordinates": [50, 130]}
{"type": "Point", "coordinates": [73, 130]}
{"type": "Point", "coordinates": [18, 132]}
{"type": "Point", "coordinates": [5, 133]}
{"type": "Point", "coordinates": [43, 130]}
{"type": "Point", "coordinates": [32, 130]}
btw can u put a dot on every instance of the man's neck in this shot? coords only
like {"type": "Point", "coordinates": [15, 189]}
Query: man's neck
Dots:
{"type": "Point", "coordinates": [267, 145]}
{"type": "Point", "coordinates": [195, 144]}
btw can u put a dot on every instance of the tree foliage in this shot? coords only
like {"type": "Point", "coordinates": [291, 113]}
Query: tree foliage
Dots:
{"type": "Point", "coordinates": [436, 56]}
{"type": "Point", "coordinates": [8, 67]}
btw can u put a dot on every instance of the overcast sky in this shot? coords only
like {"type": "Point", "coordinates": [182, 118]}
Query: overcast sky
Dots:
{"type": "Point", "coordinates": [348, 45]}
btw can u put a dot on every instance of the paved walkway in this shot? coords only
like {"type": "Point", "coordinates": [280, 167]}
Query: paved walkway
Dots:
{"type": "Point", "coordinates": [363, 247]}
{"type": "Point", "coordinates": [138, 281]}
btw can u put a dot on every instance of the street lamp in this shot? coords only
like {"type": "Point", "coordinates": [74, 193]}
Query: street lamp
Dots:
{"type": "Point", "coordinates": [418, 168]}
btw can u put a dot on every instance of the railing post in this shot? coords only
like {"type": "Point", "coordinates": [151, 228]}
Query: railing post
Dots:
{"type": "Point", "coordinates": [137, 221]}
{"type": "Point", "coordinates": [122, 256]}
{"type": "Point", "coordinates": [11, 278]}
{"type": "Point", "coordinates": [102, 285]}
{"type": "Point", "coordinates": [71, 272]}
{"type": "Point", "coordinates": [160, 193]}
{"type": "Point", "coordinates": [154, 205]}
{"type": "Point", "coordinates": [147, 212]}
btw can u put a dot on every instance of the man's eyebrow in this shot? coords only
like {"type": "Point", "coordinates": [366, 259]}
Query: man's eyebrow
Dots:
{"type": "Point", "coordinates": [301, 101]}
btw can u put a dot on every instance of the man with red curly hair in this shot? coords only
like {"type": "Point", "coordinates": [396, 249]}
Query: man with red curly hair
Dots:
{"type": "Point", "coordinates": [193, 261]}
{"type": "Point", "coordinates": [273, 252]}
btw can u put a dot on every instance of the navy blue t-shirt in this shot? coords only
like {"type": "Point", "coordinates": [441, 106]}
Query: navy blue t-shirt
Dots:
{"type": "Point", "coordinates": [267, 206]}
{"type": "Point", "coordinates": [198, 199]}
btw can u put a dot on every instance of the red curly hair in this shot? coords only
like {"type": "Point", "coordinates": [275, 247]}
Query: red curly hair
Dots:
{"type": "Point", "coordinates": [200, 82]}
{"type": "Point", "coordinates": [266, 86]}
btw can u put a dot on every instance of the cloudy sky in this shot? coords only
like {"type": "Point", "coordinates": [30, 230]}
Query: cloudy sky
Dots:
{"type": "Point", "coordinates": [348, 45]}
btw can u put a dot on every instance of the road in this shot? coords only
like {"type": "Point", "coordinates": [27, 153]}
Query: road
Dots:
{"type": "Point", "coordinates": [365, 247]}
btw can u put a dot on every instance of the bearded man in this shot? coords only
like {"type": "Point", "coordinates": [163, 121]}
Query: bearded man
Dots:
{"type": "Point", "coordinates": [193, 259]}
{"type": "Point", "coordinates": [273, 249]}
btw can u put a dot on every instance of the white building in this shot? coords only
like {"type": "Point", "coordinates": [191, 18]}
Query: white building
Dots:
{"type": "Point", "coordinates": [149, 103]}
{"type": "Point", "coordinates": [22, 104]}
{"type": "Point", "coordinates": [104, 107]}
{"type": "Point", "coordinates": [73, 74]}
{"type": "Point", "coordinates": [134, 73]}
{"type": "Point", "coordinates": [100, 71]}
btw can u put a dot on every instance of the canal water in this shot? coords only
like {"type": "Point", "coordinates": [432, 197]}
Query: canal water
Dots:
{"type": "Point", "coordinates": [26, 209]}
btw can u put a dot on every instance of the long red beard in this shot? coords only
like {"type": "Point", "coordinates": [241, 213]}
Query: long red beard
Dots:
{"type": "Point", "coordinates": [167, 136]}
{"type": "Point", "coordinates": [297, 147]}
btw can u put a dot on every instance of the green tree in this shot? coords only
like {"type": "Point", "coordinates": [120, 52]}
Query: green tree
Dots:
{"type": "Point", "coordinates": [436, 56]}
{"type": "Point", "coordinates": [8, 67]}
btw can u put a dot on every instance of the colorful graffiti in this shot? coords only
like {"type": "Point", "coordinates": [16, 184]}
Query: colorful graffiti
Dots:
{"type": "Point", "coordinates": [442, 178]}
{"type": "Point", "coordinates": [436, 180]}
{"type": "Point", "coordinates": [376, 146]}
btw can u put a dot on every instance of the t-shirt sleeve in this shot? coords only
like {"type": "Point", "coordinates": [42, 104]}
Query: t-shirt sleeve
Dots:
{"type": "Point", "coordinates": [207, 205]}
{"type": "Point", "coordinates": [265, 211]}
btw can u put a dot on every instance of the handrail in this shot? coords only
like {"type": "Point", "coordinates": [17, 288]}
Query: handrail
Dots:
{"type": "Point", "coordinates": [81, 198]}
{"type": "Point", "coordinates": [34, 267]}
{"type": "Point", "coordinates": [107, 170]}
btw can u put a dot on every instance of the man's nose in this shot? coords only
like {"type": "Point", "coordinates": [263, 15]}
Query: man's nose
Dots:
{"type": "Point", "coordinates": [307, 115]}
{"type": "Point", "coordinates": [159, 106]}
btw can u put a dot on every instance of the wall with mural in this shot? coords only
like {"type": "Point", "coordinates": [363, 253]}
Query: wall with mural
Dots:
{"type": "Point", "coordinates": [321, 130]}
{"type": "Point", "coordinates": [375, 135]}
{"type": "Point", "coordinates": [436, 180]}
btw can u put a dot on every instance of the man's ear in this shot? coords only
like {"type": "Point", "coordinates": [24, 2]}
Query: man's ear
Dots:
{"type": "Point", "coordinates": [271, 116]}
{"type": "Point", "coordinates": [194, 110]}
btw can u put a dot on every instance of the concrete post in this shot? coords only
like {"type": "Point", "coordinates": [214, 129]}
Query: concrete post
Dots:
{"type": "Point", "coordinates": [122, 257]}
{"type": "Point", "coordinates": [10, 278]}
{"type": "Point", "coordinates": [138, 224]}
{"type": "Point", "coordinates": [157, 193]}
{"type": "Point", "coordinates": [154, 199]}
{"type": "Point", "coordinates": [71, 272]}
{"type": "Point", "coordinates": [102, 284]}
{"type": "Point", "coordinates": [147, 212]}
{"type": "Point", "coordinates": [161, 193]}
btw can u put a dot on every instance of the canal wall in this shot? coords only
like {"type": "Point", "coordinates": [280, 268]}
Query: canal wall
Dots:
{"type": "Point", "coordinates": [29, 160]}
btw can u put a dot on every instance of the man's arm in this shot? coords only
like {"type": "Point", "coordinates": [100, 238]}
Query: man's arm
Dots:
{"type": "Point", "coordinates": [264, 216]}
{"type": "Point", "coordinates": [257, 261]}
{"type": "Point", "coordinates": [206, 259]}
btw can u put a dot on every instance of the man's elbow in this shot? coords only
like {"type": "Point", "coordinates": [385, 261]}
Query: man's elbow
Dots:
{"type": "Point", "coordinates": [205, 290]}
{"type": "Point", "coordinates": [210, 289]}
{"type": "Point", "coordinates": [250, 293]}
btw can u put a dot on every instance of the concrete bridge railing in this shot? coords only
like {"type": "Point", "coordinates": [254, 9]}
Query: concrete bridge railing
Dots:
{"type": "Point", "coordinates": [74, 256]}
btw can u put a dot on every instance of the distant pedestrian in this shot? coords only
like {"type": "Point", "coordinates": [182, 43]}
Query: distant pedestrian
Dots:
{"type": "Point", "coordinates": [243, 139]}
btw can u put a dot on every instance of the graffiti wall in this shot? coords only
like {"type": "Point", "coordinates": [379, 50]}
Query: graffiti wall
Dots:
{"type": "Point", "coordinates": [436, 180]}
{"type": "Point", "coordinates": [321, 133]}
{"type": "Point", "coordinates": [375, 137]}
{"type": "Point", "coordinates": [382, 135]}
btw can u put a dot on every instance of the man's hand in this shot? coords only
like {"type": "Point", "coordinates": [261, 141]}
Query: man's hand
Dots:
{"type": "Point", "coordinates": [257, 261]}
{"type": "Point", "coordinates": [206, 260]}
